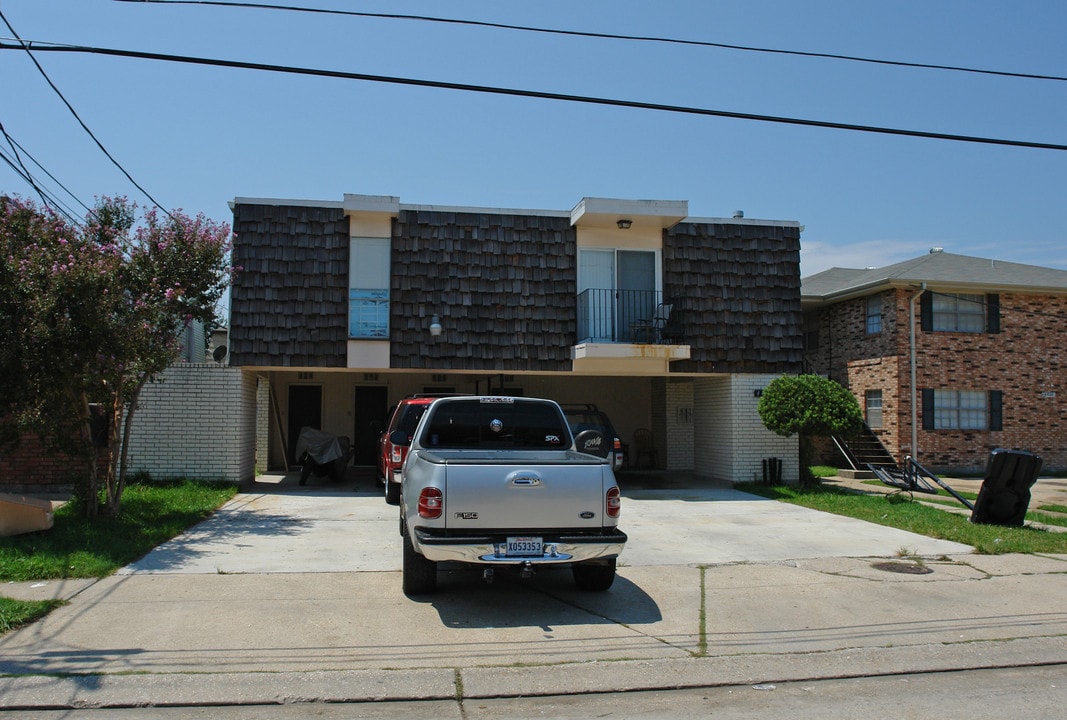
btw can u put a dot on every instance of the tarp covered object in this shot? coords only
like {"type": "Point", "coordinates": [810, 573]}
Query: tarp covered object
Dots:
{"type": "Point", "coordinates": [322, 447]}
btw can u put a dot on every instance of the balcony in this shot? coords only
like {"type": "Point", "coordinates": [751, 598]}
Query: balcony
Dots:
{"type": "Point", "coordinates": [627, 331]}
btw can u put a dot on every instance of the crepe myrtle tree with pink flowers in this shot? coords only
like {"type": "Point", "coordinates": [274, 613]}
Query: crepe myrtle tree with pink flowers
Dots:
{"type": "Point", "coordinates": [89, 315]}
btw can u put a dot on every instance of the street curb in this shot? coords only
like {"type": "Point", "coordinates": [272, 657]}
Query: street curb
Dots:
{"type": "Point", "coordinates": [360, 686]}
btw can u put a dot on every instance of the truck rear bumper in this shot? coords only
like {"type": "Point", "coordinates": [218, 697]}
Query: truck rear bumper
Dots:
{"type": "Point", "coordinates": [491, 549]}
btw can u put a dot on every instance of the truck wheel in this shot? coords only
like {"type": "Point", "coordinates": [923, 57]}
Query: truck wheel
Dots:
{"type": "Point", "coordinates": [594, 575]}
{"type": "Point", "coordinates": [420, 574]}
{"type": "Point", "coordinates": [392, 492]}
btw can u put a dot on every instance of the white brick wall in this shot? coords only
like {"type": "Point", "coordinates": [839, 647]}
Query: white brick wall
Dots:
{"type": "Point", "coordinates": [196, 421]}
{"type": "Point", "coordinates": [262, 423]}
{"type": "Point", "coordinates": [731, 441]}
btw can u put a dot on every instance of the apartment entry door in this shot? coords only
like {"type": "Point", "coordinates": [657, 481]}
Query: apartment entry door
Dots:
{"type": "Point", "coordinates": [305, 410]}
{"type": "Point", "coordinates": [369, 418]}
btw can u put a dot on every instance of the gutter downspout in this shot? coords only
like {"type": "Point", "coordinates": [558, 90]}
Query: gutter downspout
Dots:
{"type": "Point", "coordinates": [914, 392]}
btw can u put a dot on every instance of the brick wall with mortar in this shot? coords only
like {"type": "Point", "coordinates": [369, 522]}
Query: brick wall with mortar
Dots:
{"type": "Point", "coordinates": [196, 421]}
{"type": "Point", "coordinates": [731, 440]}
{"type": "Point", "coordinates": [30, 468]}
{"type": "Point", "coordinates": [1025, 361]}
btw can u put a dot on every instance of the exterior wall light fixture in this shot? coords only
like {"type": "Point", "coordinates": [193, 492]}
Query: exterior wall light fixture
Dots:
{"type": "Point", "coordinates": [624, 223]}
{"type": "Point", "coordinates": [435, 326]}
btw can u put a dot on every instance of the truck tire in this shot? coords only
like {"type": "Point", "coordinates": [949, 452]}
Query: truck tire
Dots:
{"type": "Point", "coordinates": [597, 575]}
{"type": "Point", "coordinates": [420, 574]}
{"type": "Point", "coordinates": [392, 492]}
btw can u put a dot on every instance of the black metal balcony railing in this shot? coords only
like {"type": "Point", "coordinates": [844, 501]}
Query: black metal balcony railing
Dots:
{"type": "Point", "coordinates": [615, 315]}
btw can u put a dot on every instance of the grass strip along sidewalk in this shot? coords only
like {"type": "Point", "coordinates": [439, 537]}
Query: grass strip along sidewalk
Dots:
{"type": "Point", "coordinates": [900, 511]}
{"type": "Point", "coordinates": [75, 547]}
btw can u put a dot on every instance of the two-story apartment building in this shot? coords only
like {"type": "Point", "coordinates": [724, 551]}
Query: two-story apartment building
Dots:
{"type": "Point", "coordinates": [950, 356]}
{"type": "Point", "coordinates": [666, 322]}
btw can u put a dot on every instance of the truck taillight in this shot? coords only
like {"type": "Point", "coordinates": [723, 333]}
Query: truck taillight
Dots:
{"type": "Point", "coordinates": [432, 503]}
{"type": "Point", "coordinates": [613, 502]}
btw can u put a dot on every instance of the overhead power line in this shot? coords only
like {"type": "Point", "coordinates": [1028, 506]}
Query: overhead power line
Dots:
{"type": "Point", "coordinates": [606, 36]}
{"type": "Point", "coordinates": [20, 167]}
{"type": "Point", "coordinates": [18, 147]}
{"type": "Point", "coordinates": [48, 199]}
{"type": "Point", "coordinates": [288, 69]}
{"type": "Point", "coordinates": [26, 47]}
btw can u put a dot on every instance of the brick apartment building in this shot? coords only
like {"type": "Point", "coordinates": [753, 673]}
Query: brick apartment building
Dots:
{"type": "Point", "coordinates": [983, 339]}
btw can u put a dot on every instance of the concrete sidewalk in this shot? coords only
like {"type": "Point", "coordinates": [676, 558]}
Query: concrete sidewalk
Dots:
{"type": "Point", "coordinates": [294, 594]}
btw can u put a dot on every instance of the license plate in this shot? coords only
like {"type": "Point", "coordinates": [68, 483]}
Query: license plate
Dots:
{"type": "Point", "coordinates": [524, 546]}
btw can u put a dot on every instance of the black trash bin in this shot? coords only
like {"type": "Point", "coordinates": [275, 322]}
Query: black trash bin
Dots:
{"type": "Point", "coordinates": [1005, 492]}
{"type": "Point", "coordinates": [772, 471]}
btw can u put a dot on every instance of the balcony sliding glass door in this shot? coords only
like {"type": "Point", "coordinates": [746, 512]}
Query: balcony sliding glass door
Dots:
{"type": "Point", "coordinates": [617, 289]}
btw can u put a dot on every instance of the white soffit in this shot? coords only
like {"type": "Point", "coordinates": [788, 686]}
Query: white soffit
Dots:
{"type": "Point", "coordinates": [606, 212]}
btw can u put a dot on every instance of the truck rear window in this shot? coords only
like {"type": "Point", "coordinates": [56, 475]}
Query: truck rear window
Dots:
{"type": "Point", "coordinates": [474, 424]}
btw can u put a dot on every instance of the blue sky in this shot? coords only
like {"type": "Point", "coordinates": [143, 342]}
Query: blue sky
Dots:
{"type": "Point", "coordinates": [196, 137]}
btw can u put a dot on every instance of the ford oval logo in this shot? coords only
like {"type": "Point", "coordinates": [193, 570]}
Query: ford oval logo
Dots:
{"type": "Point", "coordinates": [587, 515]}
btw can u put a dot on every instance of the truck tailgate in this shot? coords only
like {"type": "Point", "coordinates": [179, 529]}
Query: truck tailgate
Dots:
{"type": "Point", "coordinates": [554, 492]}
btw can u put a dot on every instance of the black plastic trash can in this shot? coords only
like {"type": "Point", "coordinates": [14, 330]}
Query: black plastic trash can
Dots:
{"type": "Point", "coordinates": [1005, 493]}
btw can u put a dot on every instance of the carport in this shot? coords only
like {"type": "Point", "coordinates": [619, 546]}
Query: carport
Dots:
{"type": "Point", "coordinates": [703, 425]}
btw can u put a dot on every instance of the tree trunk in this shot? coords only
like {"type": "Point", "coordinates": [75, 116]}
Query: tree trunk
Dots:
{"type": "Point", "coordinates": [807, 454]}
{"type": "Point", "coordinates": [90, 490]}
{"type": "Point", "coordinates": [116, 477]}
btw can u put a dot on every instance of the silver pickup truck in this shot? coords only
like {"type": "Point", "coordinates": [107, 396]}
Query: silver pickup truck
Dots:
{"type": "Point", "coordinates": [500, 481]}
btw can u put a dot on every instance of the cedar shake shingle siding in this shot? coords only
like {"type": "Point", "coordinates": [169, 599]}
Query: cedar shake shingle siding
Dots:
{"type": "Point", "coordinates": [736, 294]}
{"type": "Point", "coordinates": [289, 302]}
{"type": "Point", "coordinates": [503, 286]}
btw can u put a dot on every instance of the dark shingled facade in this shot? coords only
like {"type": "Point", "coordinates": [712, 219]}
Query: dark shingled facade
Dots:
{"type": "Point", "coordinates": [736, 294]}
{"type": "Point", "coordinates": [289, 301]}
{"type": "Point", "coordinates": [504, 286]}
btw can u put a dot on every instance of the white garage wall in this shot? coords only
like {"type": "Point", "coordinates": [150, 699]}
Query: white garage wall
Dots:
{"type": "Point", "coordinates": [730, 439]}
{"type": "Point", "coordinates": [196, 421]}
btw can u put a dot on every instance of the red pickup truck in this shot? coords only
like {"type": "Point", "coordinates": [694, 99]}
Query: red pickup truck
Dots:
{"type": "Point", "coordinates": [404, 417]}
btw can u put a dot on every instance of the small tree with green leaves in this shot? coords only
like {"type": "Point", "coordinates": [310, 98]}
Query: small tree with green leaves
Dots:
{"type": "Point", "coordinates": [809, 406]}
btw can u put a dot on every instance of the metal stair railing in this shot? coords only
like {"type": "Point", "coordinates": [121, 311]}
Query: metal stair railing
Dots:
{"type": "Point", "coordinates": [913, 477]}
{"type": "Point", "coordinates": [845, 448]}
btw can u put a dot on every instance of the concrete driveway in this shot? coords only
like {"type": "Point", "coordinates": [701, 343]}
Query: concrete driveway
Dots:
{"type": "Point", "coordinates": [281, 527]}
{"type": "Point", "coordinates": [292, 594]}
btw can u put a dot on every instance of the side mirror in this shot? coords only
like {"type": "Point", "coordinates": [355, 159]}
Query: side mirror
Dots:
{"type": "Point", "coordinates": [399, 437]}
{"type": "Point", "coordinates": [592, 442]}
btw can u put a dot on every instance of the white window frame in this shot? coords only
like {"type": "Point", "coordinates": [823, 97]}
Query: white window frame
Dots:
{"type": "Point", "coordinates": [959, 312]}
{"type": "Point", "coordinates": [874, 314]}
{"type": "Point", "coordinates": [961, 410]}
{"type": "Point", "coordinates": [873, 407]}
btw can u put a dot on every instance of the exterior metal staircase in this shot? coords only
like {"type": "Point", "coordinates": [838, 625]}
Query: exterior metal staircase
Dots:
{"type": "Point", "coordinates": [864, 450]}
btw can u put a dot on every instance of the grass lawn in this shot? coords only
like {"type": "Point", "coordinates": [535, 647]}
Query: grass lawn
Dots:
{"type": "Point", "coordinates": [944, 498]}
{"type": "Point", "coordinates": [77, 548]}
{"type": "Point", "coordinates": [16, 613]}
{"type": "Point", "coordinates": [900, 512]}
